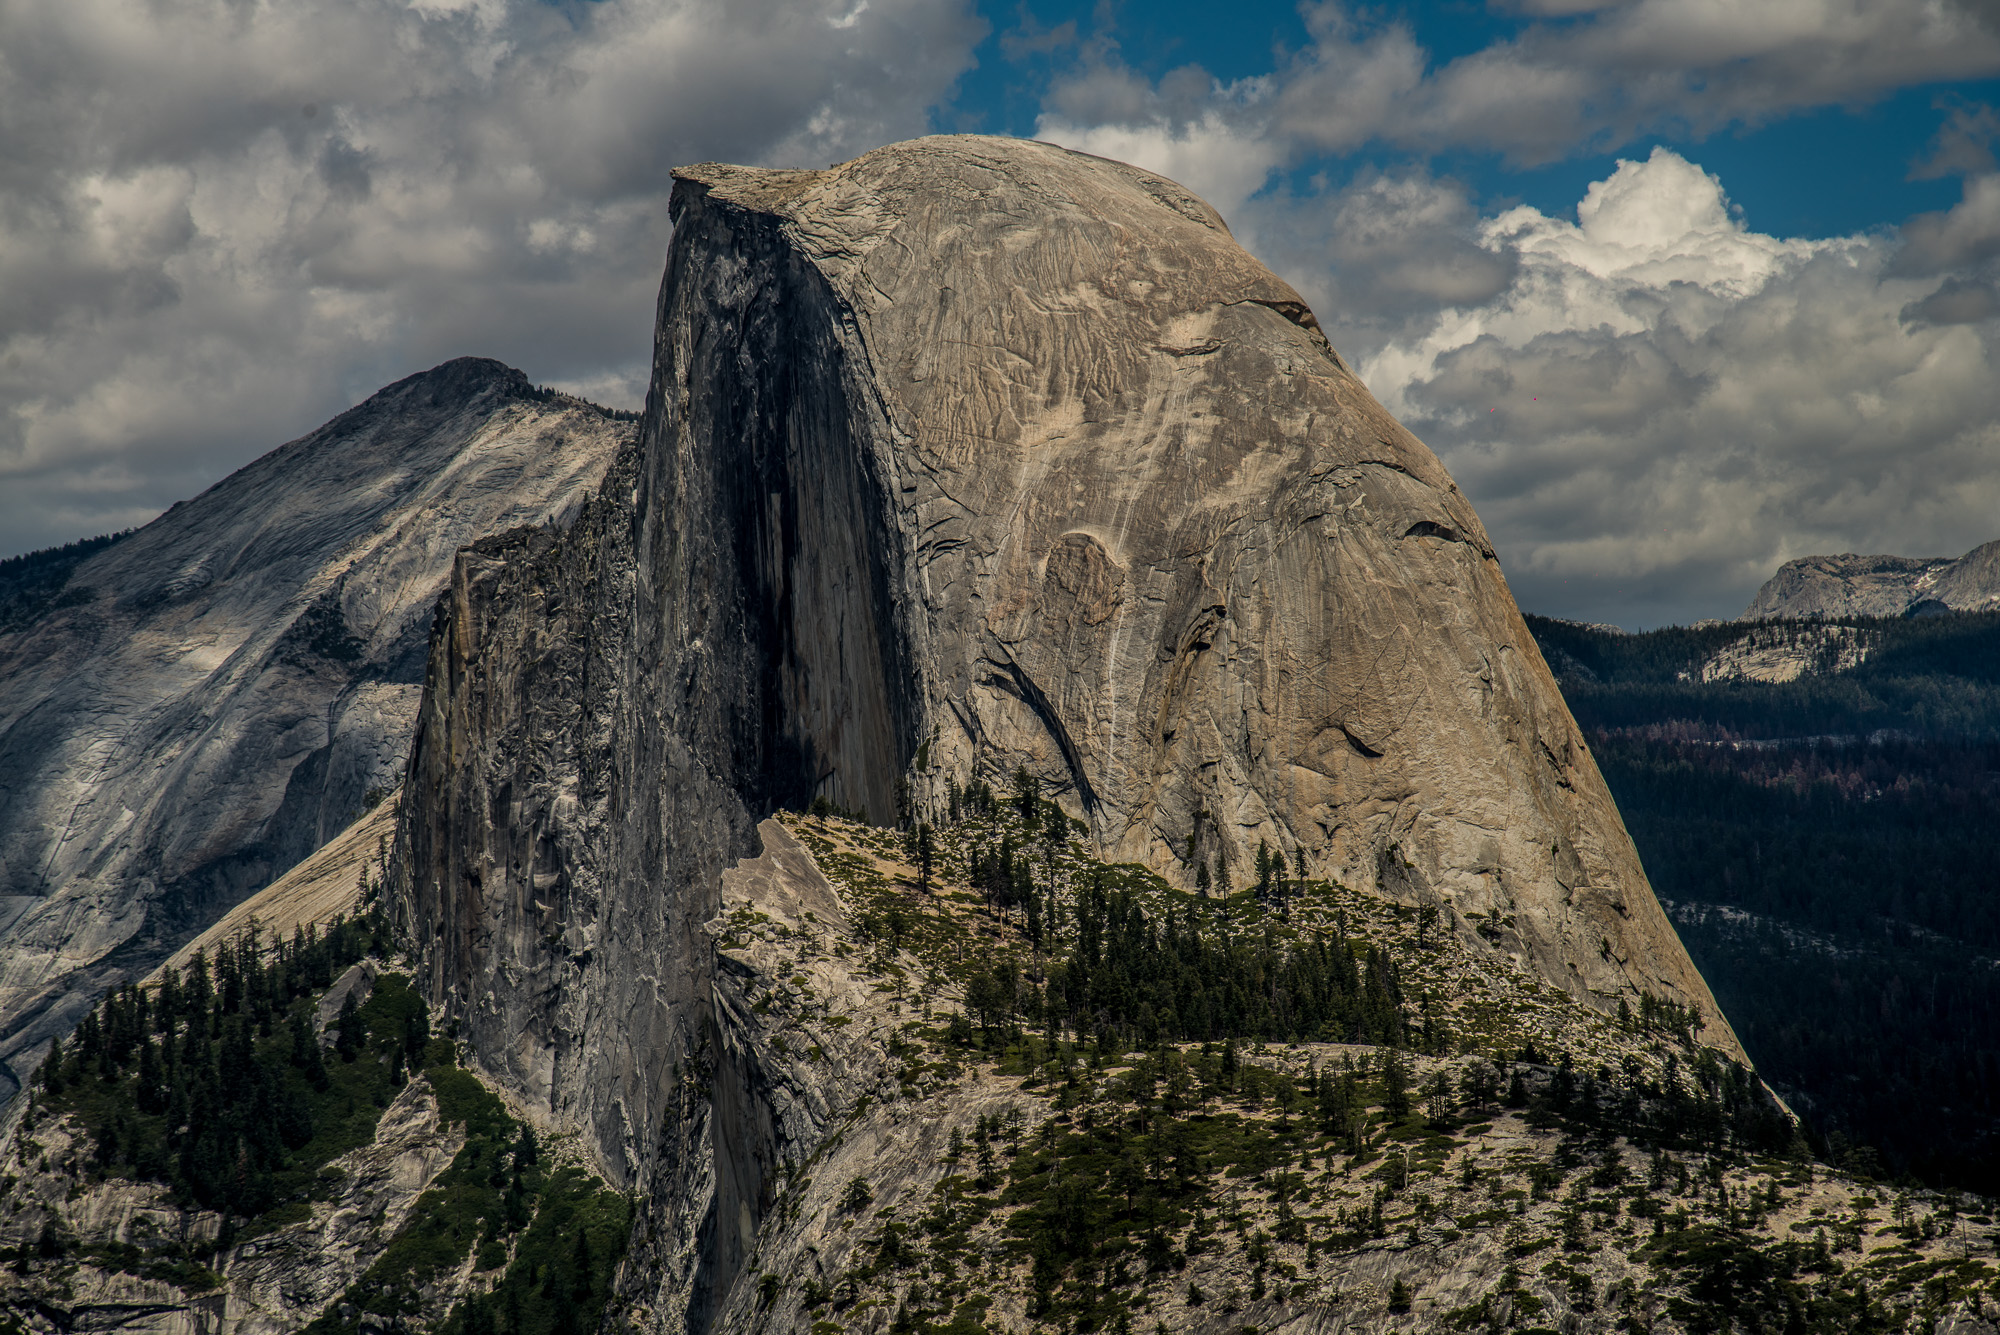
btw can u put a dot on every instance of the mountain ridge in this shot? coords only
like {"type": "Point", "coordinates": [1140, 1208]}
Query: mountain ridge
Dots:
{"type": "Point", "coordinates": [1875, 586]}
{"type": "Point", "coordinates": [210, 698]}
{"type": "Point", "coordinates": [1017, 801]}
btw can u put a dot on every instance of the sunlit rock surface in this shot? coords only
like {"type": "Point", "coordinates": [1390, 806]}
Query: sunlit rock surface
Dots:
{"type": "Point", "coordinates": [1880, 586]}
{"type": "Point", "coordinates": [968, 455]}
{"type": "Point", "coordinates": [215, 696]}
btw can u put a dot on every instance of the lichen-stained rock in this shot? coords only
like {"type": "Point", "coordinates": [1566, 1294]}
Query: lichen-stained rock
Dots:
{"type": "Point", "coordinates": [212, 698]}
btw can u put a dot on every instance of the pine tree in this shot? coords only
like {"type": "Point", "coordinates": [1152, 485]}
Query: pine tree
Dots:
{"type": "Point", "coordinates": [1395, 1085]}
{"type": "Point", "coordinates": [478, 1318]}
{"type": "Point", "coordinates": [151, 1094]}
{"type": "Point", "coordinates": [350, 1028]}
{"type": "Point", "coordinates": [303, 1042]}
{"type": "Point", "coordinates": [1055, 837]}
{"type": "Point", "coordinates": [52, 1068]}
{"type": "Point", "coordinates": [167, 1003]}
{"type": "Point", "coordinates": [294, 1122]}
{"type": "Point", "coordinates": [416, 1034]}
{"type": "Point", "coordinates": [926, 856]}
{"type": "Point", "coordinates": [229, 979]}
{"type": "Point", "coordinates": [197, 993]}
{"type": "Point", "coordinates": [1027, 797]}
{"type": "Point", "coordinates": [582, 1279]}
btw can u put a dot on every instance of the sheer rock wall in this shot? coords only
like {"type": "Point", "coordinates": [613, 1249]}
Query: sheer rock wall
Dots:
{"type": "Point", "coordinates": [967, 455]}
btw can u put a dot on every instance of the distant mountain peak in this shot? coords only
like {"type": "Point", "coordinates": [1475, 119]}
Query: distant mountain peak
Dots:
{"type": "Point", "coordinates": [189, 710]}
{"type": "Point", "coordinates": [1850, 585]}
{"type": "Point", "coordinates": [466, 378]}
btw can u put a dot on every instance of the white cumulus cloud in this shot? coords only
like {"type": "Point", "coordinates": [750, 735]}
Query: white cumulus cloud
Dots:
{"type": "Point", "coordinates": [221, 223]}
{"type": "Point", "coordinates": [1652, 402]}
{"type": "Point", "coordinates": [1662, 404]}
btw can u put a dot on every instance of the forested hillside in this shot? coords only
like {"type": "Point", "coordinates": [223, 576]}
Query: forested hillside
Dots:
{"type": "Point", "coordinates": [1826, 847]}
{"type": "Point", "coordinates": [33, 582]}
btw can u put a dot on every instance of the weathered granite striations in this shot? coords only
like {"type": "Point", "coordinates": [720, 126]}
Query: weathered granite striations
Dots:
{"type": "Point", "coordinates": [212, 698]}
{"type": "Point", "coordinates": [967, 455]}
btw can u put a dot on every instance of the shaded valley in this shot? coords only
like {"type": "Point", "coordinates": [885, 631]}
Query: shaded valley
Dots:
{"type": "Point", "coordinates": [1824, 845]}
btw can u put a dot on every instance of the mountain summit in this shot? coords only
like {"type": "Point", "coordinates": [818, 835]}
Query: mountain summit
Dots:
{"type": "Point", "coordinates": [1880, 586]}
{"type": "Point", "coordinates": [970, 459]}
{"type": "Point", "coordinates": [215, 696]}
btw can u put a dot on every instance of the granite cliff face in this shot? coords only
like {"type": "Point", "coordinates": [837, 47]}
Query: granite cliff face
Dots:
{"type": "Point", "coordinates": [1880, 586]}
{"type": "Point", "coordinates": [212, 698]}
{"type": "Point", "coordinates": [966, 456]}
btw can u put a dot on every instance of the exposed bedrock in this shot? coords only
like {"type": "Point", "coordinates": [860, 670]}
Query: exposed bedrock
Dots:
{"type": "Point", "coordinates": [999, 455]}
{"type": "Point", "coordinates": [1880, 586]}
{"type": "Point", "coordinates": [212, 698]}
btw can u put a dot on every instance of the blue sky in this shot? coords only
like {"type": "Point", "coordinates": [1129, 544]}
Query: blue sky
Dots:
{"type": "Point", "coordinates": [1813, 170]}
{"type": "Point", "coordinates": [1677, 289]}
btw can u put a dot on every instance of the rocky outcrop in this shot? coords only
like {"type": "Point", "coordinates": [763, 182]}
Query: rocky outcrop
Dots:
{"type": "Point", "coordinates": [212, 698]}
{"type": "Point", "coordinates": [1880, 586]}
{"type": "Point", "coordinates": [1969, 584]}
{"type": "Point", "coordinates": [1137, 527]}
{"type": "Point", "coordinates": [108, 1273]}
{"type": "Point", "coordinates": [325, 886]}
{"type": "Point", "coordinates": [968, 456]}
{"type": "Point", "coordinates": [1786, 653]}
{"type": "Point", "coordinates": [827, 1077]}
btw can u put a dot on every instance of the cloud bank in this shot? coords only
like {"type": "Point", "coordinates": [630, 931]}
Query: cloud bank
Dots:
{"type": "Point", "coordinates": [1661, 405]}
{"type": "Point", "coordinates": [1652, 404]}
{"type": "Point", "coordinates": [221, 223]}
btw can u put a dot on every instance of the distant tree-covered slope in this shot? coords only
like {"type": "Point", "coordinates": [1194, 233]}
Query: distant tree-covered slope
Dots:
{"type": "Point", "coordinates": [34, 581]}
{"type": "Point", "coordinates": [1827, 849]}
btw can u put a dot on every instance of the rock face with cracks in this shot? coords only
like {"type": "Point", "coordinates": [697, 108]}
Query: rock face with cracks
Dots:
{"type": "Point", "coordinates": [969, 456]}
{"type": "Point", "coordinates": [1138, 528]}
{"type": "Point", "coordinates": [212, 698]}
